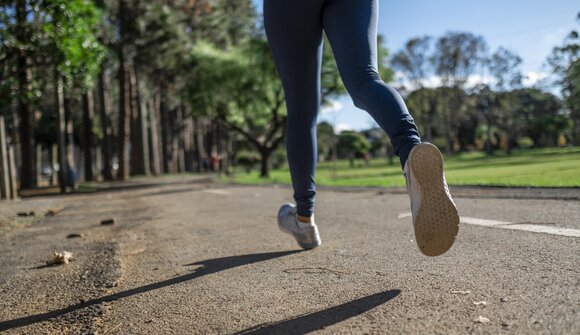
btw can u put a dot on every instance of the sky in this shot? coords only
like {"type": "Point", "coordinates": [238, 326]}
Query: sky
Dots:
{"type": "Point", "coordinates": [531, 28]}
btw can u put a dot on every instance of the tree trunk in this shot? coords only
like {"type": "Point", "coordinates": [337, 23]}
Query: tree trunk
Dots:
{"type": "Point", "coordinates": [124, 122]}
{"type": "Point", "coordinates": [448, 99]}
{"type": "Point", "coordinates": [199, 144]}
{"type": "Point", "coordinates": [61, 133]}
{"type": "Point", "coordinates": [53, 164]}
{"type": "Point", "coordinates": [488, 145]}
{"type": "Point", "coordinates": [265, 155]}
{"type": "Point", "coordinates": [124, 125]}
{"type": "Point", "coordinates": [104, 112]}
{"type": "Point", "coordinates": [575, 116]}
{"type": "Point", "coordinates": [165, 144]}
{"type": "Point", "coordinates": [4, 175]}
{"type": "Point", "coordinates": [71, 152]}
{"type": "Point", "coordinates": [38, 169]}
{"type": "Point", "coordinates": [154, 135]}
{"type": "Point", "coordinates": [26, 129]}
{"type": "Point", "coordinates": [88, 112]}
{"type": "Point", "coordinates": [180, 138]}
{"type": "Point", "coordinates": [124, 103]}
{"type": "Point", "coordinates": [173, 141]}
{"type": "Point", "coordinates": [139, 142]}
{"type": "Point", "coordinates": [188, 141]}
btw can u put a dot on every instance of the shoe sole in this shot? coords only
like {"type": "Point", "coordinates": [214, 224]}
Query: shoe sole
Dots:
{"type": "Point", "coordinates": [437, 222]}
{"type": "Point", "coordinates": [306, 246]}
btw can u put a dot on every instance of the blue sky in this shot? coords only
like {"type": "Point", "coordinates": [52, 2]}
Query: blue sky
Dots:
{"type": "Point", "coordinates": [529, 27]}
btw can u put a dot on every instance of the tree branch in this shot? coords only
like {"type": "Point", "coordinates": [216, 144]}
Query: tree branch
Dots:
{"type": "Point", "coordinates": [276, 120]}
{"type": "Point", "coordinates": [244, 133]}
{"type": "Point", "coordinates": [278, 140]}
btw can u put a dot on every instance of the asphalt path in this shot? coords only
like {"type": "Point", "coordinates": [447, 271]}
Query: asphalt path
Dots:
{"type": "Point", "coordinates": [187, 256]}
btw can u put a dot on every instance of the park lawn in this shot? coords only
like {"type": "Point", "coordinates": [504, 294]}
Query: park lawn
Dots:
{"type": "Point", "coordinates": [553, 167]}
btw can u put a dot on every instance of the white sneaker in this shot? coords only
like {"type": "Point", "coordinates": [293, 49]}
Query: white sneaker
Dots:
{"type": "Point", "coordinates": [435, 216]}
{"type": "Point", "coordinates": [306, 234]}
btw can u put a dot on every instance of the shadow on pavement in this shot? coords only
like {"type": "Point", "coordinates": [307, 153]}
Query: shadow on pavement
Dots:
{"type": "Point", "coordinates": [321, 319]}
{"type": "Point", "coordinates": [208, 267]}
{"type": "Point", "coordinates": [115, 186]}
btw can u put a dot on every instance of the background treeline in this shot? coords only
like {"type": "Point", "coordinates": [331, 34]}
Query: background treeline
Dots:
{"type": "Point", "coordinates": [108, 89]}
{"type": "Point", "coordinates": [479, 100]}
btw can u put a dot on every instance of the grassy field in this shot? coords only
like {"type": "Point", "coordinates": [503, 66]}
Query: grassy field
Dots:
{"type": "Point", "coordinates": [556, 167]}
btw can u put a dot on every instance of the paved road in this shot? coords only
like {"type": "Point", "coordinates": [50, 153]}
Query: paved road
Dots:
{"type": "Point", "coordinates": [190, 257]}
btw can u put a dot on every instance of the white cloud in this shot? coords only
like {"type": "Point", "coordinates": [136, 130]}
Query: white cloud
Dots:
{"type": "Point", "coordinates": [476, 79]}
{"type": "Point", "coordinates": [341, 127]}
{"type": "Point", "coordinates": [333, 106]}
{"type": "Point", "coordinates": [531, 78]}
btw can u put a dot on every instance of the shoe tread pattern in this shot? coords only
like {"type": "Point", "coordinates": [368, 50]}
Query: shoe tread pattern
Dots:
{"type": "Point", "coordinates": [437, 222]}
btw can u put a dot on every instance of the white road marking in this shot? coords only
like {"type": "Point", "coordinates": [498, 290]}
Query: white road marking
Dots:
{"type": "Point", "coordinates": [404, 215]}
{"type": "Point", "coordinates": [217, 191]}
{"type": "Point", "coordinates": [545, 229]}
{"type": "Point", "coordinates": [535, 228]}
{"type": "Point", "coordinates": [483, 222]}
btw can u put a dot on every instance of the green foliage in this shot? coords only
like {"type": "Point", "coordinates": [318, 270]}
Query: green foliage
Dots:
{"type": "Point", "coordinates": [351, 143]}
{"type": "Point", "coordinates": [565, 64]}
{"type": "Point", "coordinates": [456, 56]}
{"type": "Point", "coordinates": [219, 76]}
{"type": "Point", "coordinates": [70, 27]}
{"type": "Point", "coordinates": [537, 115]}
{"type": "Point", "coordinates": [326, 139]}
{"type": "Point", "coordinates": [248, 160]}
{"type": "Point", "coordinates": [413, 60]}
{"type": "Point", "coordinates": [504, 66]}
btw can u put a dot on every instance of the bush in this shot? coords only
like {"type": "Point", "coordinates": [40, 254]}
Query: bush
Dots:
{"type": "Point", "coordinates": [248, 159]}
{"type": "Point", "coordinates": [525, 142]}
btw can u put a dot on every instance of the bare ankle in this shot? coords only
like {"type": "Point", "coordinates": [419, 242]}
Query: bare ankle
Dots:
{"type": "Point", "coordinates": [304, 219]}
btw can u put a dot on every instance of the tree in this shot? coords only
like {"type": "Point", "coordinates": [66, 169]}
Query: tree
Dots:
{"type": "Point", "coordinates": [423, 104]}
{"type": "Point", "coordinates": [41, 35]}
{"type": "Point", "coordinates": [76, 55]}
{"type": "Point", "coordinates": [504, 67]}
{"type": "Point", "coordinates": [457, 54]}
{"type": "Point", "coordinates": [243, 88]}
{"type": "Point", "coordinates": [537, 115]}
{"type": "Point", "coordinates": [18, 51]}
{"type": "Point", "coordinates": [565, 65]}
{"type": "Point", "coordinates": [413, 60]}
{"type": "Point", "coordinates": [486, 103]}
{"type": "Point", "coordinates": [326, 140]}
{"type": "Point", "coordinates": [351, 143]}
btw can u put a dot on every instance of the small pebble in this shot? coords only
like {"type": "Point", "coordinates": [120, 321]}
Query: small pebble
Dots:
{"type": "Point", "coordinates": [52, 212]}
{"type": "Point", "coordinates": [503, 299]}
{"type": "Point", "coordinates": [74, 235]}
{"type": "Point", "coordinates": [482, 319]}
{"type": "Point", "coordinates": [108, 222]}
{"type": "Point", "coordinates": [460, 292]}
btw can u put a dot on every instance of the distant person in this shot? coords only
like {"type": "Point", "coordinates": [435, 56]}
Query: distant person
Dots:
{"type": "Point", "coordinates": [214, 160]}
{"type": "Point", "coordinates": [294, 29]}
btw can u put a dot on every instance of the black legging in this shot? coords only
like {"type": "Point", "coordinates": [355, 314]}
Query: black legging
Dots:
{"type": "Point", "coordinates": [294, 29]}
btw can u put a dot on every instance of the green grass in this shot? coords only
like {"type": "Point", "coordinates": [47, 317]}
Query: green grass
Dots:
{"type": "Point", "coordinates": [553, 167]}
